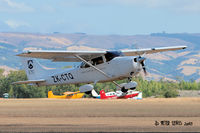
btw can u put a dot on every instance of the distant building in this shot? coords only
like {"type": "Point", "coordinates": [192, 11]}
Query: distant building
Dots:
{"type": "Point", "coordinates": [5, 95]}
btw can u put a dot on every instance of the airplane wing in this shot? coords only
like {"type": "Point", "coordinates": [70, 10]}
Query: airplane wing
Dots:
{"type": "Point", "coordinates": [30, 81]}
{"type": "Point", "coordinates": [70, 93]}
{"type": "Point", "coordinates": [69, 56]}
{"type": "Point", "coordinates": [135, 52]}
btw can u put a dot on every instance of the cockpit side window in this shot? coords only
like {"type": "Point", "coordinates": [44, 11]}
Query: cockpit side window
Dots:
{"type": "Point", "coordinates": [98, 60]}
{"type": "Point", "coordinates": [84, 65]}
{"type": "Point", "coordinates": [95, 61]}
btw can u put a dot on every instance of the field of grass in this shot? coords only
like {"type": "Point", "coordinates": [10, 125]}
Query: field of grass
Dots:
{"type": "Point", "coordinates": [65, 115]}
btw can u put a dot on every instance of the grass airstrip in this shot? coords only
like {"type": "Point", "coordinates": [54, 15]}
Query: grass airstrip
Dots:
{"type": "Point", "coordinates": [89, 115]}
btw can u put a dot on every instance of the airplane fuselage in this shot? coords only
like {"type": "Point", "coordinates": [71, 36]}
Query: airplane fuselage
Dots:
{"type": "Point", "coordinates": [117, 68]}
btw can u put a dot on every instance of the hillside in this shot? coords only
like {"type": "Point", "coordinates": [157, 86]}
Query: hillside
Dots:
{"type": "Point", "coordinates": [174, 65]}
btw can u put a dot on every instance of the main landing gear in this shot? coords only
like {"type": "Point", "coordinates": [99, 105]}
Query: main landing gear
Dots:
{"type": "Point", "coordinates": [130, 85]}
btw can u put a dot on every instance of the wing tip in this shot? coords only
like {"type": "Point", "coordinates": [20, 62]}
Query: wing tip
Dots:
{"type": "Point", "coordinates": [184, 47]}
{"type": "Point", "coordinates": [24, 53]}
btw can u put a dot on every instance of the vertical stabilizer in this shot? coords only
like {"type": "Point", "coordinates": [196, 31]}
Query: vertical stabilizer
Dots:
{"type": "Point", "coordinates": [94, 94]}
{"type": "Point", "coordinates": [103, 94]}
{"type": "Point", "coordinates": [33, 69]}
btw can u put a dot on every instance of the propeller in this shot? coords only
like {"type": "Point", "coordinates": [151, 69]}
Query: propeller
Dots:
{"type": "Point", "coordinates": [141, 61]}
{"type": "Point", "coordinates": [143, 67]}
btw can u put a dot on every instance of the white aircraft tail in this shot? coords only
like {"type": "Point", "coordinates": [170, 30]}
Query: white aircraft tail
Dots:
{"type": "Point", "coordinates": [33, 69]}
{"type": "Point", "coordinates": [94, 93]}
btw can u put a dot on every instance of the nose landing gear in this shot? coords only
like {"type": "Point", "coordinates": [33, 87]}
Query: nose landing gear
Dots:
{"type": "Point", "coordinates": [129, 79]}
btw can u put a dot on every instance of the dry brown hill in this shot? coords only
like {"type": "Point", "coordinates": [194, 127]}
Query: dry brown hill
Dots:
{"type": "Point", "coordinates": [184, 63]}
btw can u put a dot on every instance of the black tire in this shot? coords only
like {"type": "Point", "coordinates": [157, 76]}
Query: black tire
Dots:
{"type": "Point", "coordinates": [133, 88]}
{"type": "Point", "coordinates": [88, 92]}
{"type": "Point", "coordinates": [124, 90]}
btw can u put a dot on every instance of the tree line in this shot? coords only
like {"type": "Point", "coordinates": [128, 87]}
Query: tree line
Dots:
{"type": "Point", "coordinates": [149, 88]}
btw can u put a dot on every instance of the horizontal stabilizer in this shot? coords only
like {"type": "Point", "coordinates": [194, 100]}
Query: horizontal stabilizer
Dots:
{"type": "Point", "coordinates": [30, 81]}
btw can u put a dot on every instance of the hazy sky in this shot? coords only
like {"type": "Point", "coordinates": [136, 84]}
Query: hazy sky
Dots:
{"type": "Point", "coordinates": [125, 17]}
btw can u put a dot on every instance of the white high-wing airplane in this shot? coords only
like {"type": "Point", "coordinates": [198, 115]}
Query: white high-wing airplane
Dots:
{"type": "Point", "coordinates": [96, 66]}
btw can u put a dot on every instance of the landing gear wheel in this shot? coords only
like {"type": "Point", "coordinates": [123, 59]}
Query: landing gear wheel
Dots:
{"type": "Point", "coordinates": [88, 92]}
{"type": "Point", "coordinates": [124, 90]}
{"type": "Point", "coordinates": [133, 88]}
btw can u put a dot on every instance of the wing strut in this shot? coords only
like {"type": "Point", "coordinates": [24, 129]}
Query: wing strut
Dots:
{"type": "Point", "coordinates": [106, 75]}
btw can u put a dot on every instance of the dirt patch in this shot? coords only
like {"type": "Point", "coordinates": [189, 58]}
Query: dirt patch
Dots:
{"type": "Point", "coordinates": [189, 93]}
{"type": "Point", "coordinates": [7, 70]}
{"type": "Point", "coordinates": [189, 70]}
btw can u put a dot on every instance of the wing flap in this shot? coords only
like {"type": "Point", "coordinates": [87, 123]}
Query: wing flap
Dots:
{"type": "Point", "coordinates": [30, 81]}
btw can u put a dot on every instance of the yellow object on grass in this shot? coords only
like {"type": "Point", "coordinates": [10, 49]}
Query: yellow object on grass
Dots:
{"type": "Point", "coordinates": [67, 95]}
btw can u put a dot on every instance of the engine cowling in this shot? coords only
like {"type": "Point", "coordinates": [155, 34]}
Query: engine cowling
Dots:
{"type": "Point", "coordinates": [86, 88]}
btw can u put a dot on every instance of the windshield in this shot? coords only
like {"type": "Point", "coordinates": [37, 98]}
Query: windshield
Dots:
{"type": "Point", "coordinates": [112, 54]}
